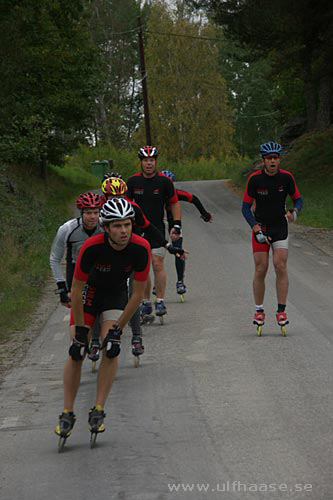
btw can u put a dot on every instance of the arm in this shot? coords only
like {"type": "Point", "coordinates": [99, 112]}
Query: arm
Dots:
{"type": "Point", "coordinates": [56, 255]}
{"type": "Point", "coordinates": [248, 214]}
{"type": "Point", "coordinates": [249, 197]}
{"type": "Point", "coordinates": [80, 341]}
{"type": "Point", "coordinates": [176, 212]}
{"type": "Point", "coordinates": [77, 303]}
{"type": "Point", "coordinates": [57, 252]}
{"type": "Point", "coordinates": [297, 207]}
{"type": "Point", "coordinates": [206, 216]}
{"type": "Point", "coordinates": [297, 201]}
{"type": "Point", "coordinates": [150, 229]}
{"type": "Point", "coordinates": [155, 234]}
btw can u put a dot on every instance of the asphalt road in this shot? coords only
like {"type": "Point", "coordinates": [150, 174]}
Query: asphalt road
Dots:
{"type": "Point", "coordinates": [212, 406]}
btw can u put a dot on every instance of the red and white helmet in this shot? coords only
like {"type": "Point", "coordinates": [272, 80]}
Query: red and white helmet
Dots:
{"type": "Point", "coordinates": [147, 152]}
{"type": "Point", "coordinates": [89, 200]}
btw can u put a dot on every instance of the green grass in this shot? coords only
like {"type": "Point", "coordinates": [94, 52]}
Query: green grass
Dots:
{"type": "Point", "coordinates": [127, 163]}
{"type": "Point", "coordinates": [31, 212]}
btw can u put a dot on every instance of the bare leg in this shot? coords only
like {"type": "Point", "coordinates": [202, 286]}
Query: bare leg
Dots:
{"type": "Point", "coordinates": [107, 370]}
{"type": "Point", "coordinates": [106, 375]}
{"type": "Point", "coordinates": [72, 377]}
{"type": "Point", "coordinates": [280, 257]}
{"type": "Point", "coordinates": [160, 275]}
{"type": "Point", "coordinates": [147, 290]}
{"type": "Point", "coordinates": [261, 267]}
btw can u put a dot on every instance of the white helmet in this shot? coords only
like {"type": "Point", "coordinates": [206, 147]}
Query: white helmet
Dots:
{"type": "Point", "coordinates": [116, 209]}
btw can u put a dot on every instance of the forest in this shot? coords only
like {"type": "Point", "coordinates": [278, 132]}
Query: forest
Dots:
{"type": "Point", "coordinates": [222, 76]}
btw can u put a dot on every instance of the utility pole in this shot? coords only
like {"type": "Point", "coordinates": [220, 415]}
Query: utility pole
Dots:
{"type": "Point", "coordinates": [144, 83]}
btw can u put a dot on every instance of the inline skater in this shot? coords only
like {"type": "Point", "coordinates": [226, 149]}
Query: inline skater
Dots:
{"type": "Point", "coordinates": [99, 287]}
{"type": "Point", "coordinates": [206, 216]}
{"type": "Point", "coordinates": [152, 191]}
{"type": "Point", "coordinates": [69, 238]}
{"type": "Point", "coordinates": [268, 189]}
{"type": "Point", "coordinates": [117, 188]}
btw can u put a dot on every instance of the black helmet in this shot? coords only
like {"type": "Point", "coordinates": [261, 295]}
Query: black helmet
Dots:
{"type": "Point", "coordinates": [147, 152]}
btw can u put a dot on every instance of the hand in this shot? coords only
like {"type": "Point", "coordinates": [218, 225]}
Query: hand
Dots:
{"type": "Point", "coordinates": [207, 217]}
{"type": "Point", "coordinates": [292, 215]}
{"type": "Point", "coordinates": [261, 237]}
{"type": "Point", "coordinates": [63, 292]}
{"type": "Point", "coordinates": [79, 343]}
{"type": "Point", "coordinates": [175, 233]}
{"type": "Point", "coordinates": [178, 252]}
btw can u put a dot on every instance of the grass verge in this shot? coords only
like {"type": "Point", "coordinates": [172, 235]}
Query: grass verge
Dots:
{"type": "Point", "coordinates": [31, 211]}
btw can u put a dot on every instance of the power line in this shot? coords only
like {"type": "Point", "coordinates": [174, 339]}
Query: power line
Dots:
{"type": "Point", "coordinates": [123, 32]}
{"type": "Point", "coordinates": [184, 36]}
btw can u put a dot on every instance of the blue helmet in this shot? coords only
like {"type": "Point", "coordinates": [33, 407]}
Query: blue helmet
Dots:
{"type": "Point", "coordinates": [270, 147]}
{"type": "Point", "coordinates": [169, 174]}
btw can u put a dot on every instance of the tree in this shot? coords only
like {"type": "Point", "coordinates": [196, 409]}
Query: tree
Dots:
{"type": "Point", "coordinates": [114, 29]}
{"type": "Point", "coordinates": [298, 35]}
{"type": "Point", "coordinates": [49, 71]}
{"type": "Point", "coordinates": [189, 111]}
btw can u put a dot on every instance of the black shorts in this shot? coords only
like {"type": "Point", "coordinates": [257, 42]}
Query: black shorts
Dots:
{"type": "Point", "coordinates": [278, 234]}
{"type": "Point", "coordinates": [96, 301]}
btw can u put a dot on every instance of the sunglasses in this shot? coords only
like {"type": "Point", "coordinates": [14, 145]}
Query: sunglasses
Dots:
{"type": "Point", "coordinates": [272, 157]}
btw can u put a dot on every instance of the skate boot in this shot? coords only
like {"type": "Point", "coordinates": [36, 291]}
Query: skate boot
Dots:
{"type": "Point", "coordinates": [94, 350]}
{"type": "Point", "coordinates": [137, 349]}
{"type": "Point", "coordinates": [146, 312]}
{"type": "Point", "coordinates": [96, 420]}
{"type": "Point", "coordinates": [95, 424]}
{"type": "Point", "coordinates": [160, 310]}
{"type": "Point", "coordinates": [65, 425]}
{"type": "Point", "coordinates": [281, 318]}
{"type": "Point", "coordinates": [282, 321]}
{"type": "Point", "coordinates": [181, 288]}
{"type": "Point", "coordinates": [259, 320]}
{"type": "Point", "coordinates": [64, 428]}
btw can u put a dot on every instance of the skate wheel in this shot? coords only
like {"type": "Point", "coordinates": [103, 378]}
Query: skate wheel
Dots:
{"type": "Point", "coordinates": [182, 298]}
{"type": "Point", "coordinates": [283, 331]}
{"type": "Point", "coordinates": [136, 361]}
{"type": "Point", "coordinates": [259, 330]}
{"type": "Point", "coordinates": [93, 437]}
{"type": "Point", "coordinates": [61, 444]}
{"type": "Point", "coordinates": [93, 366]}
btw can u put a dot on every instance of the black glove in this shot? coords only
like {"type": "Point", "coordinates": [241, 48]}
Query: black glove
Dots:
{"type": "Point", "coordinates": [174, 250]}
{"type": "Point", "coordinates": [260, 237]}
{"type": "Point", "coordinates": [63, 292]}
{"type": "Point", "coordinates": [206, 216]}
{"type": "Point", "coordinates": [79, 343]}
{"type": "Point", "coordinates": [112, 342]}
